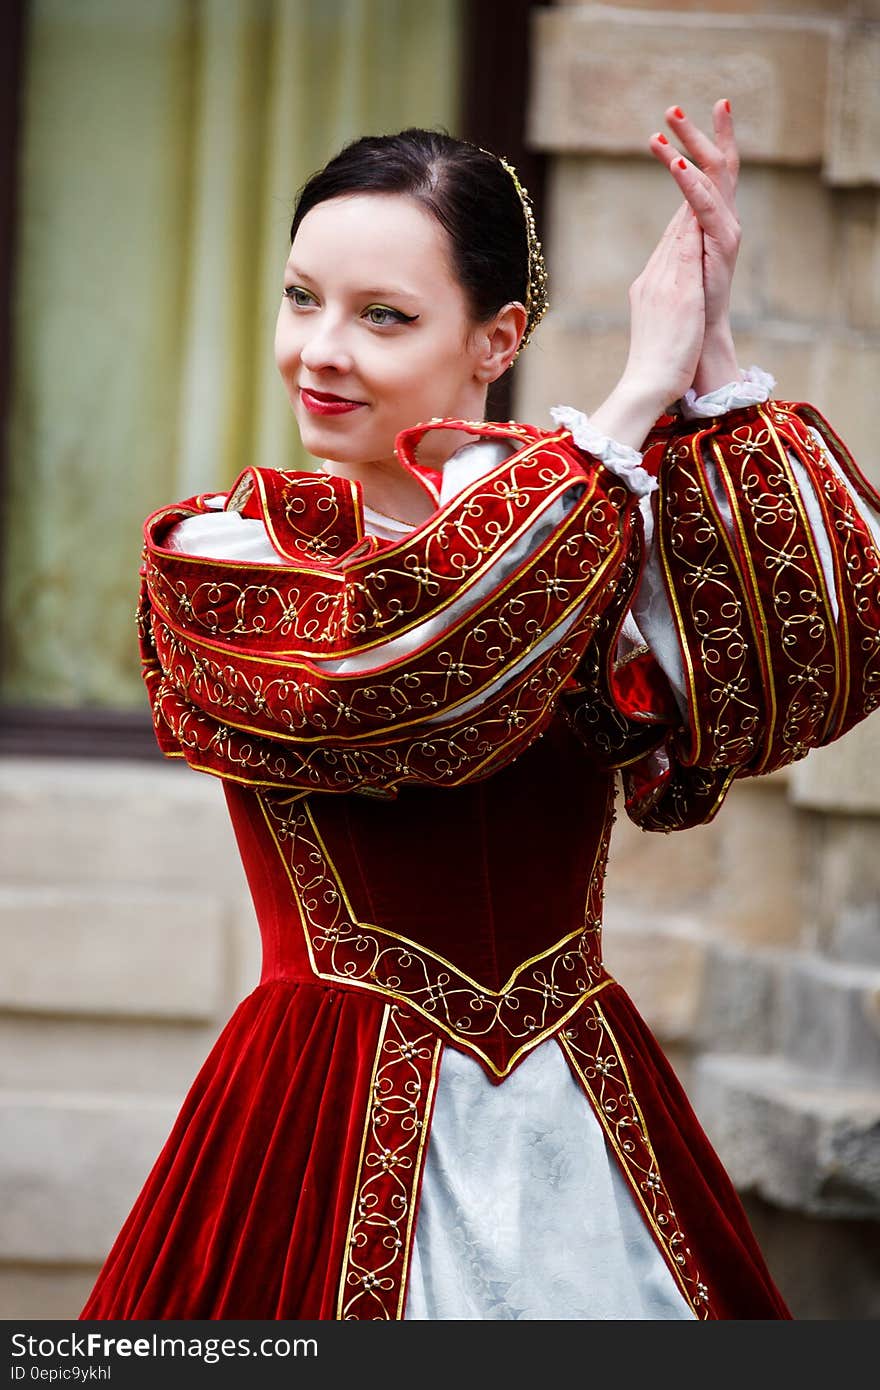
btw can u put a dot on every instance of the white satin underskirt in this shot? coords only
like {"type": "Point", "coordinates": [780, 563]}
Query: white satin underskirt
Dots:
{"type": "Point", "coordinates": [524, 1213]}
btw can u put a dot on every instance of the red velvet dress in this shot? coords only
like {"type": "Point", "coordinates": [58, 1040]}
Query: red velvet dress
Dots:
{"type": "Point", "coordinates": [379, 713]}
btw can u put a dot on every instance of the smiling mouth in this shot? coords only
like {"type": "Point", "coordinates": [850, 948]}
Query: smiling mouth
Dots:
{"type": "Point", "coordinates": [328, 396]}
{"type": "Point", "coordinates": [325, 403]}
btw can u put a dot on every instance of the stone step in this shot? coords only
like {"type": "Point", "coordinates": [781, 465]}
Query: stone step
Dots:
{"type": "Point", "coordinates": [70, 1169]}
{"type": "Point", "coordinates": [116, 952]}
{"type": "Point", "coordinates": [92, 822]}
{"type": "Point", "coordinates": [696, 989]}
{"type": "Point", "coordinates": [691, 987]}
{"type": "Point", "coordinates": [122, 1056]}
{"type": "Point", "coordinates": [828, 1019]}
{"type": "Point", "coordinates": [801, 1142]}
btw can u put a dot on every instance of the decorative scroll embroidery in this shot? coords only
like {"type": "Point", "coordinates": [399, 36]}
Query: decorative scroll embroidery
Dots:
{"type": "Point", "coordinates": [372, 1284]}
{"type": "Point", "coordinates": [234, 690]}
{"type": "Point", "coordinates": [857, 564]}
{"type": "Point", "coordinates": [473, 746]}
{"type": "Point", "coordinates": [308, 703]}
{"type": "Point", "coordinates": [498, 1026]}
{"type": "Point", "coordinates": [706, 592]}
{"type": "Point", "coordinates": [344, 610]}
{"type": "Point", "coordinates": [598, 1064]}
{"type": "Point", "coordinates": [788, 589]}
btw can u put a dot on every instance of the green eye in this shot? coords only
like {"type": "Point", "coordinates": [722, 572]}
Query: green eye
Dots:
{"type": "Point", "coordinates": [382, 316]}
{"type": "Point", "coordinates": [298, 296]}
{"type": "Point", "coordinates": [379, 315]}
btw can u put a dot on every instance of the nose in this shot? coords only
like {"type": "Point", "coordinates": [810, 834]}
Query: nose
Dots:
{"type": "Point", "coordinates": [324, 344]}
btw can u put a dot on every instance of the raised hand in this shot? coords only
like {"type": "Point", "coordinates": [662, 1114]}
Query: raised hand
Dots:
{"type": "Point", "coordinates": [708, 181]}
{"type": "Point", "coordinates": [667, 325]}
{"type": "Point", "coordinates": [667, 310]}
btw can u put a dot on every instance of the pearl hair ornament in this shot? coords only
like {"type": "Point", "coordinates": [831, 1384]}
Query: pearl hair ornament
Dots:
{"type": "Point", "coordinates": [537, 302]}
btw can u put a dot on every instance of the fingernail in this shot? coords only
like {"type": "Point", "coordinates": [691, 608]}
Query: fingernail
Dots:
{"type": "Point", "coordinates": [682, 164]}
{"type": "Point", "coordinates": [678, 113]}
{"type": "Point", "coordinates": [662, 138]}
{"type": "Point", "coordinates": [726, 104]}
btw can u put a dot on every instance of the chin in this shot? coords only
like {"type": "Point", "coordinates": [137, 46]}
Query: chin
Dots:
{"type": "Point", "coordinates": [333, 440]}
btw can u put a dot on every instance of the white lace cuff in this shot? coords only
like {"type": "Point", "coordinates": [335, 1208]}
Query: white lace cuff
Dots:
{"type": "Point", "coordinates": [620, 459]}
{"type": "Point", "coordinates": [754, 386]}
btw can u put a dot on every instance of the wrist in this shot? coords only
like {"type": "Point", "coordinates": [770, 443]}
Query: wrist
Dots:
{"type": "Point", "coordinates": [718, 364]}
{"type": "Point", "coordinates": [629, 412]}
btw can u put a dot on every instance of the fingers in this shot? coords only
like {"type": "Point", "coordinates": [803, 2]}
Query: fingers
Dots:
{"type": "Point", "coordinates": [719, 160]}
{"type": "Point", "coordinates": [679, 250]}
{"type": "Point", "coordinates": [713, 213]}
{"type": "Point", "coordinates": [706, 155]}
{"type": "Point", "coordinates": [722, 121]}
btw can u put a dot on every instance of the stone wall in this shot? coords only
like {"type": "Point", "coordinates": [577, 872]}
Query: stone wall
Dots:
{"type": "Point", "coordinates": [752, 945]}
{"type": "Point", "coordinates": [127, 937]}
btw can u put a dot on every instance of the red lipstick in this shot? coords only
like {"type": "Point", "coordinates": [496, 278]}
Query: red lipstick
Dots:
{"type": "Point", "coordinates": [323, 403]}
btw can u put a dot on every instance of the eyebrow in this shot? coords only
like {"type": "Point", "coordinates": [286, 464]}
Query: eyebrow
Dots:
{"type": "Point", "coordinates": [367, 292]}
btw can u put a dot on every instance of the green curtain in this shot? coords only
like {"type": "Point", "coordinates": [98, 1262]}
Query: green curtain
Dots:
{"type": "Point", "coordinates": [162, 147]}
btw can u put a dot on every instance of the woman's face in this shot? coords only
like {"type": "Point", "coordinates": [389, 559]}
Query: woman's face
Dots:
{"type": "Point", "coordinates": [375, 333]}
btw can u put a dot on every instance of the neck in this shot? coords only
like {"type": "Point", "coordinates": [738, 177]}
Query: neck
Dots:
{"type": "Point", "coordinates": [388, 487]}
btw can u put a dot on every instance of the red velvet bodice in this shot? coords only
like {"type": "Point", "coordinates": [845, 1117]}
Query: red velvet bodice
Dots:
{"type": "Point", "coordinates": [479, 905]}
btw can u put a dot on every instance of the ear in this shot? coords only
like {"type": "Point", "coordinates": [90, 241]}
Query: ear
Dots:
{"type": "Point", "coordinates": [498, 340]}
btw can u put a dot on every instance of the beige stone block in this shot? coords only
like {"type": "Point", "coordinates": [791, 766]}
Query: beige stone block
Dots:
{"type": "Point", "coordinates": [859, 231]}
{"type": "Point", "coordinates": [737, 1003]}
{"type": "Point", "coordinates": [829, 1019]}
{"type": "Point", "coordinates": [660, 963]}
{"type": "Point", "coordinates": [584, 96]}
{"type": "Point", "coordinates": [245, 948]}
{"type": "Point", "coordinates": [43, 1293]}
{"type": "Point", "coordinates": [604, 217]}
{"type": "Point", "coordinates": [792, 222]}
{"type": "Point", "coordinates": [854, 107]}
{"type": "Point", "coordinates": [800, 1143]}
{"type": "Point", "coordinates": [70, 1169]}
{"type": "Point", "coordinates": [842, 776]}
{"type": "Point", "coordinates": [844, 886]}
{"type": "Point", "coordinates": [88, 822]}
{"type": "Point", "coordinates": [847, 370]}
{"type": "Point", "coordinates": [789, 351]}
{"type": "Point", "coordinates": [571, 365]}
{"type": "Point", "coordinates": [43, 1053]}
{"type": "Point", "coordinates": [69, 950]}
{"type": "Point", "coordinates": [759, 893]}
{"type": "Point", "coordinates": [673, 874]}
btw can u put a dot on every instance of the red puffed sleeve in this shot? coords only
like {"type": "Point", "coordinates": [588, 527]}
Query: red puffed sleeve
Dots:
{"type": "Point", "coordinates": [355, 663]}
{"type": "Point", "coordinates": [764, 567]}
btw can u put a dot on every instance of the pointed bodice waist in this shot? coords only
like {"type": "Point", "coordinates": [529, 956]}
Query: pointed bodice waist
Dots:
{"type": "Point", "coordinates": [478, 906]}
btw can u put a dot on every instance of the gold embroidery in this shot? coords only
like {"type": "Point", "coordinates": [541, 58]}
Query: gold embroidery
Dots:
{"type": "Point", "coordinates": [857, 565]}
{"type": "Point", "coordinates": [599, 1065]}
{"type": "Point", "coordinates": [385, 595]}
{"type": "Point", "coordinates": [802, 621]}
{"type": "Point", "coordinates": [702, 573]}
{"type": "Point", "coordinates": [372, 1283]}
{"type": "Point", "coordinates": [497, 1025]}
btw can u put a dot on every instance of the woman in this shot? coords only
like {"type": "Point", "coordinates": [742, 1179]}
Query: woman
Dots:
{"type": "Point", "coordinates": [418, 675]}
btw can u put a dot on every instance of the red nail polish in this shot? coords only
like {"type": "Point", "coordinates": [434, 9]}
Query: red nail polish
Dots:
{"type": "Point", "coordinates": [678, 113]}
{"type": "Point", "coordinates": [662, 138]}
{"type": "Point", "coordinates": [726, 105]}
{"type": "Point", "coordinates": [682, 164]}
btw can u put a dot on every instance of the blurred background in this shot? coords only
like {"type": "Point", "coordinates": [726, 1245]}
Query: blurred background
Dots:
{"type": "Point", "coordinates": [149, 159]}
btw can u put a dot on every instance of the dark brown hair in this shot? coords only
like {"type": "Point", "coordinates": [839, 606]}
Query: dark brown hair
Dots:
{"type": "Point", "coordinates": [467, 189]}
